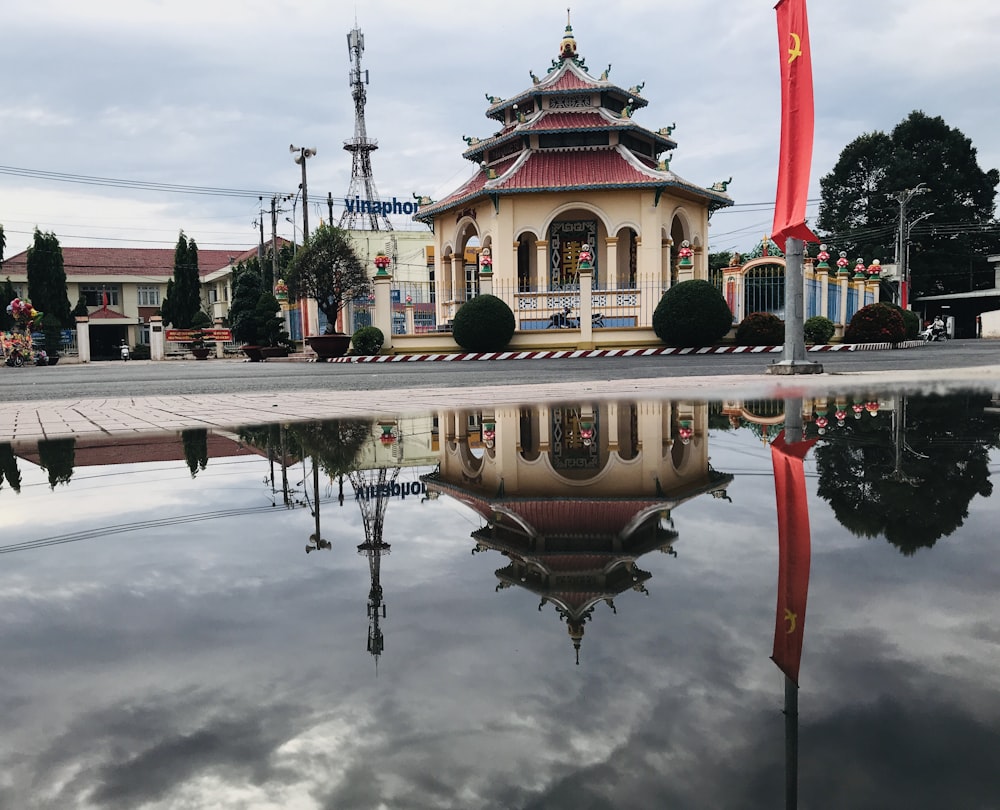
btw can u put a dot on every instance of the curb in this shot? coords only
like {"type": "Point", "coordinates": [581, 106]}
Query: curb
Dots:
{"type": "Point", "coordinates": [566, 354]}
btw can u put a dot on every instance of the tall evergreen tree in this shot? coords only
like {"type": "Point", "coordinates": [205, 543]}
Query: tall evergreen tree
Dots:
{"type": "Point", "coordinates": [7, 295]}
{"type": "Point", "coordinates": [47, 278]}
{"type": "Point", "coordinates": [183, 299]}
{"type": "Point", "coordinates": [859, 212]}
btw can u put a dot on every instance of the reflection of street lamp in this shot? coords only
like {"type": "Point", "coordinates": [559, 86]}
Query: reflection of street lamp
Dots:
{"type": "Point", "coordinates": [300, 158]}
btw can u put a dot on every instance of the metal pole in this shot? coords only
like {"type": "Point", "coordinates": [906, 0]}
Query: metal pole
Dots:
{"type": "Point", "coordinates": [305, 201]}
{"type": "Point", "coordinates": [791, 744]}
{"type": "Point", "coordinates": [794, 359]}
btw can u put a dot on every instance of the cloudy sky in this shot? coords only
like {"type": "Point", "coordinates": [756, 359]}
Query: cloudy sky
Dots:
{"type": "Point", "coordinates": [212, 663]}
{"type": "Point", "coordinates": [210, 95]}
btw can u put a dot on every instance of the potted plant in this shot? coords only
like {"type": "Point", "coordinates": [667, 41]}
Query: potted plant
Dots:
{"type": "Point", "coordinates": [255, 315]}
{"type": "Point", "coordinates": [198, 347]}
{"type": "Point", "coordinates": [328, 270]}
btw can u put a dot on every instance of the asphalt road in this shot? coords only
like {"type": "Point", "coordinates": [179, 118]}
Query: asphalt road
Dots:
{"type": "Point", "coordinates": [145, 378]}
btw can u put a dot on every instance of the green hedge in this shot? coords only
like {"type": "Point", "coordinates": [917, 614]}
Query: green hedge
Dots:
{"type": "Point", "coordinates": [483, 324]}
{"type": "Point", "coordinates": [692, 313]}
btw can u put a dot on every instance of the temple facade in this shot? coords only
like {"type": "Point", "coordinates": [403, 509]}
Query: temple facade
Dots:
{"type": "Point", "coordinates": [572, 199]}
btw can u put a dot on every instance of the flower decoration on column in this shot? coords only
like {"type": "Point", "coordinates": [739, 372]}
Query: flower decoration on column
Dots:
{"type": "Point", "coordinates": [685, 431]}
{"type": "Point", "coordinates": [489, 433]}
{"type": "Point", "coordinates": [388, 436]}
{"type": "Point", "coordinates": [858, 408]}
{"type": "Point", "coordinates": [585, 258]}
{"type": "Point", "coordinates": [859, 269]}
{"type": "Point", "coordinates": [685, 254]}
{"type": "Point", "coordinates": [823, 258]}
{"type": "Point", "coordinates": [382, 262]}
{"type": "Point", "coordinates": [872, 407]}
{"type": "Point", "coordinates": [485, 261]}
{"type": "Point", "coordinates": [587, 433]}
{"type": "Point", "coordinates": [842, 264]}
{"type": "Point", "coordinates": [281, 291]}
{"type": "Point", "coordinates": [409, 300]}
{"type": "Point", "coordinates": [874, 270]}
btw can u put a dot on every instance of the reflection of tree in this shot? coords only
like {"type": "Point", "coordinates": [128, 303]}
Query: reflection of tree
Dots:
{"type": "Point", "coordinates": [913, 485]}
{"type": "Point", "coordinates": [57, 456]}
{"type": "Point", "coordinates": [195, 443]}
{"type": "Point", "coordinates": [8, 467]}
{"type": "Point", "coordinates": [335, 442]}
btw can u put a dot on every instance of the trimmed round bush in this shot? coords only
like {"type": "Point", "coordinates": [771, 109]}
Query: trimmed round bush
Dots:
{"type": "Point", "coordinates": [818, 329]}
{"type": "Point", "coordinates": [875, 323]}
{"type": "Point", "coordinates": [483, 324]}
{"type": "Point", "coordinates": [911, 321]}
{"type": "Point", "coordinates": [760, 329]}
{"type": "Point", "coordinates": [692, 313]}
{"type": "Point", "coordinates": [368, 340]}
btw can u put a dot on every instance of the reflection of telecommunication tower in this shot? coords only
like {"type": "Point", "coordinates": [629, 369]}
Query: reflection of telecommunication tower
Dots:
{"type": "Point", "coordinates": [363, 210]}
{"type": "Point", "coordinates": [372, 489]}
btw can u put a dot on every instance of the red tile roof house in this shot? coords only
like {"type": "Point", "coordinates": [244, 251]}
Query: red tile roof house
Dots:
{"type": "Point", "coordinates": [124, 287]}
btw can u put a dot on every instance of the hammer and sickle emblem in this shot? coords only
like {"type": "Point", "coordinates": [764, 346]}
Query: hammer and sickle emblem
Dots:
{"type": "Point", "coordinates": [796, 50]}
{"type": "Point", "coordinates": [791, 618]}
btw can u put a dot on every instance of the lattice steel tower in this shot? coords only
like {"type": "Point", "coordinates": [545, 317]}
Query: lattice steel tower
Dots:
{"type": "Point", "coordinates": [363, 208]}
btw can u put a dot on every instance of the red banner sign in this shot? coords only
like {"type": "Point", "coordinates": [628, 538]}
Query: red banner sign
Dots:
{"type": "Point", "coordinates": [187, 335]}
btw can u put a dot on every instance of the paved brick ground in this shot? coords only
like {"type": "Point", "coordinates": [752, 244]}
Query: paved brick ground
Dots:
{"type": "Point", "coordinates": [30, 421]}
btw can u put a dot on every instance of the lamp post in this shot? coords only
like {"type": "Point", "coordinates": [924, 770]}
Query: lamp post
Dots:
{"type": "Point", "coordinates": [300, 158]}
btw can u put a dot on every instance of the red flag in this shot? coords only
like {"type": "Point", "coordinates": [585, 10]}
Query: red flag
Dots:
{"type": "Point", "coordinates": [793, 553]}
{"type": "Point", "coordinates": [104, 299]}
{"type": "Point", "coordinates": [795, 158]}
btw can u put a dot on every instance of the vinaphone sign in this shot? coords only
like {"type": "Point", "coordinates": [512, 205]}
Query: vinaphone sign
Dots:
{"type": "Point", "coordinates": [385, 208]}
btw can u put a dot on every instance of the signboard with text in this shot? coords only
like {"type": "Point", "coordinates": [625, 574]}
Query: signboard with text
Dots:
{"type": "Point", "coordinates": [187, 335]}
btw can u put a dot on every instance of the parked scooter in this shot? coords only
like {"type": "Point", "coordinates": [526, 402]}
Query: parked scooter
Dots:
{"type": "Point", "coordinates": [125, 351]}
{"type": "Point", "coordinates": [935, 331]}
{"type": "Point", "coordinates": [15, 359]}
{"type": "Point", "coordinates": [563, 320]}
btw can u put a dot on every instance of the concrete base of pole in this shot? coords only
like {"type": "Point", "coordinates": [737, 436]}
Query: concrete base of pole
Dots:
{"type": "Point", "coordinates": [794, 367]}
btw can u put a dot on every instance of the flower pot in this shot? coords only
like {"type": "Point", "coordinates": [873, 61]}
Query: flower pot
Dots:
{"type": "Point", "coordinates": [255, 354]}
{"type": "Point", "coordinates": [329, 346]}
{"type": "Point", "coordinates": [201, 353]}
{"type": "Point", "coordinates": [273, 351]}
{"type": "Point", "coordinates": [52, 360]}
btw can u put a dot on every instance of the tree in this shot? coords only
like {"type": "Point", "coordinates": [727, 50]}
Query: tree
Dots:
{"type": "Point", "coordinates": [195, 443]}
{"type": "Point", "coordinates": [7, 294]}
{"type": "Point", "coordinates": [328, 270]}
{"type": "Point", "coordinates": [859, 212]}
{"type": "Point", "coordinates": [183, 298]}
{"type": "Point", "coordinates": [915, 488]}
{"type": "Point", "coordinates": [8, 467]}
{"type": "Point", "coordinates": [57, 457]}
{"type": "Point", "coordinates": [47, 278]}
{"type": "Point", "coordinates": [254, 311]}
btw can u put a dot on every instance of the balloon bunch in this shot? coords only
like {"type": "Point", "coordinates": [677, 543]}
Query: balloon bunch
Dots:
{"type": "Point", "coordinates": [24, 313]}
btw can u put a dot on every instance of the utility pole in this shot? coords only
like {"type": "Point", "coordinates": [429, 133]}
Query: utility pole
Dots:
{"type": "Point", "coordinates": [274, 239]}
{"type": "Point", "coordinates": [260, 225]}
{"type": "Point", "coordinates": [902, 238]}
{"type": "Point", "coordinates": [303, 154]}
{"type": "Point", "coordinates": [329, 206]}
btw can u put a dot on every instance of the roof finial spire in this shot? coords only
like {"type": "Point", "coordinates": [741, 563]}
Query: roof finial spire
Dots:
{"type": "Point", "coordinates": [567, 48]}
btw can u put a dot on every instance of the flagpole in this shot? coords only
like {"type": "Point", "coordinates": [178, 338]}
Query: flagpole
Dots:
{"type": "Point", "coordinates": [794, 358]}
{"type": "Point", "coordinates": [793, 434]}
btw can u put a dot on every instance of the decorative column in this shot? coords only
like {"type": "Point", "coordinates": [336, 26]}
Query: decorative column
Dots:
{"type": "Point", "coordinates": [410, 321]}
{"type": "Point", "coordinates": [485, 272]}
{"type": "Point", "coordinates": [585, 274]}
{"type": "Point", "coordinates": [822, 279]}
{"type": "Point", "coordinates": [874, 275]}
{"type": "Point", "coordinates": [685, 262]}
{"type": "Point", "coordinates": [156, 347]}
{"type": "Point", "coordinates": [220, 345]}
{"type": "Point", "coordinates": [611, 263]}
{"type": "Point", "coordinates": [383, 298]}
{"type": "Point", "coordinates": [83, 338]}
{"type": "Point", "coordinates": [542, 264]}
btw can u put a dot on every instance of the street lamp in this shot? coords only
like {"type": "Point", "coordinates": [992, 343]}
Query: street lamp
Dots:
{"type": "Point", "coordinates": [300, 158]}
{"type": "Point", "coordinates": [902, 237]}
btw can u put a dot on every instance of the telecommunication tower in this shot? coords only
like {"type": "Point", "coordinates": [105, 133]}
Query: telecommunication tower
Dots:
{"type": "Point", "coordinates": [363, 210]}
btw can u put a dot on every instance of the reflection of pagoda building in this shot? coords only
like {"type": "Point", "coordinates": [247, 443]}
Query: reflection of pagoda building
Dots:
{"type": "Point", "coordinates": [574, 496]}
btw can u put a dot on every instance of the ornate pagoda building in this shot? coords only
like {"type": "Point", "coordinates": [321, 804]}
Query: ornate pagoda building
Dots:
{"type": "Point", "coordinates": [570, 166]}
{"type": "Point", "coordinates": [574, 496]}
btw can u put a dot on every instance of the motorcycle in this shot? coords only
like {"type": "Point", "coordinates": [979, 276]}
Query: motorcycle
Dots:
{"type": "Point", "coordinates": [563, 320]}
{"type": "Point", "coordinates": [15, 359]}
{"type": "Point", "coordinates": [934, 332]}
{"type": "Point", "coordinates": [125, 352]}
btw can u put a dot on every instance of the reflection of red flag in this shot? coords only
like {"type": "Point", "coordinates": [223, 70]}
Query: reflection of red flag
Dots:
{"type": "Point", "coordinates": [793, 553]}
{"type": "Point", "coordinates": [795, 158]}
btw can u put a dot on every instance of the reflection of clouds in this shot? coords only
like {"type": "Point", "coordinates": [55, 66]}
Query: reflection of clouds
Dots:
{"type": "Point", "coordinates": [217, 665]}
